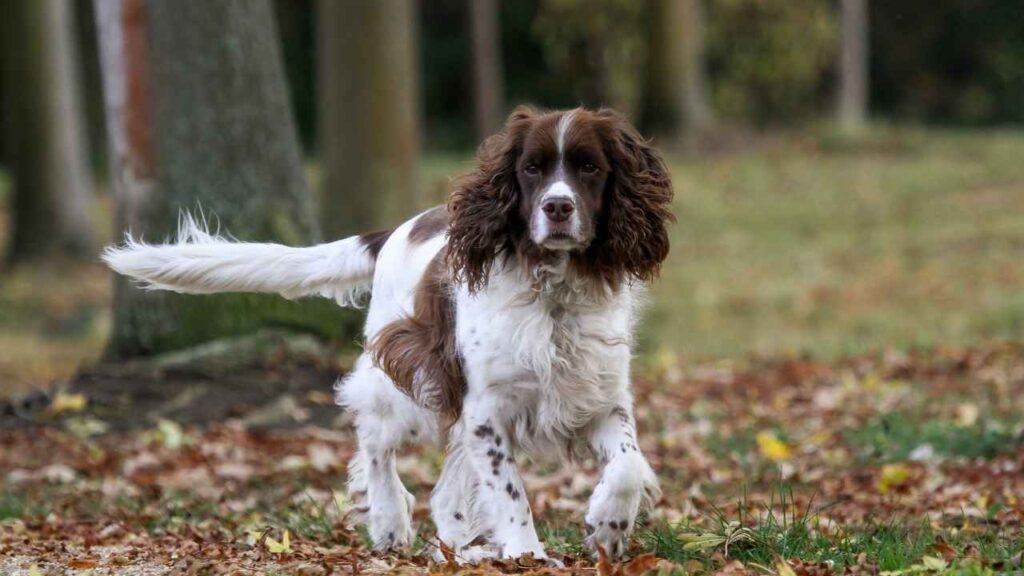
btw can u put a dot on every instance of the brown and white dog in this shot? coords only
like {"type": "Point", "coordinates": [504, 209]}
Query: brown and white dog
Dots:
{"type": "Point", "coordinates": [501, 323]}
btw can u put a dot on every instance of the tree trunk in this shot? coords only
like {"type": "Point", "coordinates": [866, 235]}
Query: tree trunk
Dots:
{"type": "Point", "coordinates": [368, 113]}
{"type": "Point", "coordinates": [488, 74]}
{"type": "Point", "coordinates": [217, 136]}
{"type": "Point", "coordinates": [676, 102]}
{"type": "Point", "coordinates": [852, 101]}
{"type": "Point", "coordinates": [52, 200]}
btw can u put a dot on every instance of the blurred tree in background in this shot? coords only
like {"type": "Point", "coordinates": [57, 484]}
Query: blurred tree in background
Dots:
{"type": "Point", "coordinates": [675, 99]}
{"type": "Point", "coordinates": [198, 116]}
{"type": "Point", "coordinates": [488, 74]}
{"type": "Point", "coordinates": [368, 114]}
{"type": "Point", "coordinates": [45, 138]}
{"type": "Point", "coordinates": [852, 93]}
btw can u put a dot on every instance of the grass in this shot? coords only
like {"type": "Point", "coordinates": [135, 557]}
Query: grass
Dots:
{"type": "Point", "coordinates": [911, 238]}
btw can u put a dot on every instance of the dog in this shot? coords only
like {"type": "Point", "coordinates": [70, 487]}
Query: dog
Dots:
{"type": "Point", "coordinates": [499, 323]}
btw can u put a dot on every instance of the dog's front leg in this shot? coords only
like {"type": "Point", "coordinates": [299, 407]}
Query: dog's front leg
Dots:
{"type": "Point", "coordinates": [626, 482]}
{"type": "Point", "coordinates": [500, 503]}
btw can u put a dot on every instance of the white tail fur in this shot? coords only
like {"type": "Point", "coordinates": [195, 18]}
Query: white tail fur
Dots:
{"type": "Point", "coordinates": [203, 263]}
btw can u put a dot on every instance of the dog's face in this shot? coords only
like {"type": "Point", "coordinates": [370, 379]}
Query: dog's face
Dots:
{"type": "Point", "coordinates": [562, 173]}
{"type": "Point", "coordinates": [579, 182]}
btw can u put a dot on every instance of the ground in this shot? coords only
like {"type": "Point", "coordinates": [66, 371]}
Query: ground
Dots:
{"type": "Point", "coordinates": [829, 379]}
{"type": "Point", "coordinates": [888, 462]}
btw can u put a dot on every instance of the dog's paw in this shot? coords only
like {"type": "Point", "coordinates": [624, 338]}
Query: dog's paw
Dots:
{"type": "Point", "coordinates": [390, 533]}
{"type": "Point", "coordinates": [390, 525]}
{"type": "Point", "coordinates": [612, 535]}
{"type": "Point", "coordinates": [609, 522]}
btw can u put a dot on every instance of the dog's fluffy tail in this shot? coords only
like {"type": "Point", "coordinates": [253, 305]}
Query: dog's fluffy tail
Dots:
{"type": "Point", "coordinates": [203, 263]}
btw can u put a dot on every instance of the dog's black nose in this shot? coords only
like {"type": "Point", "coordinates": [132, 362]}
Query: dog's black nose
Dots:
{"type": "Point", "coordinates": [558, 209]}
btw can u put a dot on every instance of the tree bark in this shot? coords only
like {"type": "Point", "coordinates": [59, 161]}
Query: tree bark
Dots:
{"type": "Point", "coordinates": [216, 135]}
{"type": "Point", "coordinates": [852, 100]}
{"type": "Point", "coordinates": [488, 72]}
{"type": "Point", "coordinates": [368, 114]}
{"type": "Point", "coordinates": [52, 200]}
{"type": "Point", "coordinates": [676, 102]}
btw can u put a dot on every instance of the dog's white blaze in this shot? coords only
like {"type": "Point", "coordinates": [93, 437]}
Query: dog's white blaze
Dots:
{"type": "Point", "coordinates": [563, 127]}
{"type": "Point", "coordinates": [559, 189]}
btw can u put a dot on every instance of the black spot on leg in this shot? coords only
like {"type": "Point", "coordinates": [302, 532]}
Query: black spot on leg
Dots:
{"type": "Point", "coordinates": [391, 536]}
{"type": "Point", "coordinates": [484, 430]}
{"type": "Point", "coordinates": [491, 452]}
{"type": "Point", "coordinates": [373, 462]}
{"type": "Point", "coordinates": [523, 523]}
{"type": "Point", "coordinates": [511, 519]}
{"type": "Point", "coordinates": [512, 492]}
{"type": "Point", "coordinates": [458, 515]}
{"type": "Point", "coordinates": [413, 432]}
{"type": "Point", "coordinates": [497, 440]}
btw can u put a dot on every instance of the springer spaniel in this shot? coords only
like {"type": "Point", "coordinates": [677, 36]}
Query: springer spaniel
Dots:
{"type": "Point", "coordinates": [500, 323]}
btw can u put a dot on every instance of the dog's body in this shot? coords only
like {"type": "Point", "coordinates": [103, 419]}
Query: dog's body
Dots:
{"type": "Point", "coordinates": [501, 323]}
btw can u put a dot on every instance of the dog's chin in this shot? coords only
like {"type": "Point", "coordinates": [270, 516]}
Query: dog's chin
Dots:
{"type": "Point", "coordinates": [561, 243]}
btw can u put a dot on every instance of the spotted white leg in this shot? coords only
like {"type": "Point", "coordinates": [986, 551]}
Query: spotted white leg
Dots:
{"type": "Point", "coordinates": [627, 482]}
{"type": "Point", "coordinates": [500, 506]}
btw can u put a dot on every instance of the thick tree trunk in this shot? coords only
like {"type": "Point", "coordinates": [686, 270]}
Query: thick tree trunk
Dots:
{"type": "Point", "coordinates": [199, 118]}
{"type": "Point", "coordinates": [676, 102]}
{"type": "Point", "coordinates": [852, 100]}
{"type": "Point", "coordinates": [52, 200]}
{"type": "Point", "coordinates": [368, 113]}
{"type": "Point", "coordinates": [488, 72]}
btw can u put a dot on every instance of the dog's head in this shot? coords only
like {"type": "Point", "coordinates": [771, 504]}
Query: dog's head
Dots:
{"type": "Point", "coordinates": [581, 182]}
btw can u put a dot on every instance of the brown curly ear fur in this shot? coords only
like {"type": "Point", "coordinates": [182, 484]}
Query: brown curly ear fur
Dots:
{"type": "Point", "coordinates": [483, 206]}
{"type": "Point", "coordinates": [632, 236]}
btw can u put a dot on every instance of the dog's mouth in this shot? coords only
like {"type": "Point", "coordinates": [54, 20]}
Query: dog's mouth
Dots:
{"type": "Point", "coordinates": [561, 241]}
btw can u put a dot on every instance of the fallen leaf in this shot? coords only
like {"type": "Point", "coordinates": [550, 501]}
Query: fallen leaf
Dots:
{"type": "Point", "coordinates": [783, 568]}
{"type": "Point", "coordinates": [63, 402]}
{"type": "Point", "coordinates": [772, 448]}
{"type": "Point", "coordinates": [282, 547]}
{"type": "Point", "coordinates": [893, 476]}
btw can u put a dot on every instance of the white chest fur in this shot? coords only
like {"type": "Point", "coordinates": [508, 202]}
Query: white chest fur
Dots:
{"type": "Point", "coordinates": [550, 352]}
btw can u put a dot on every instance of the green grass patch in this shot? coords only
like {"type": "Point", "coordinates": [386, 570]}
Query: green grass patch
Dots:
{"type": "Point", "coordinates": [761, 536]}
{"type": "Point", "coordinates": [894, 436]}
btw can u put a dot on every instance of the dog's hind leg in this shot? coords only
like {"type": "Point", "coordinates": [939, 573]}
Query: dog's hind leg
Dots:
{"type": "Point", "coordinates": [385, 420]}
{"type": "Point", "coordinates": [452, 507]}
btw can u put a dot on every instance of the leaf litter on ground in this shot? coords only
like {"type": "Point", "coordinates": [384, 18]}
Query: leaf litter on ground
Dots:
{"type": "Point", "coordinates": [902, 463]}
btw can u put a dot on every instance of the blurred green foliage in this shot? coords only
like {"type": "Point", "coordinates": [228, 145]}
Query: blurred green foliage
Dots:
{"type": "Point", "coordinates": [768, 62]}
{"type": "Point", "coordinates": [595, 46]}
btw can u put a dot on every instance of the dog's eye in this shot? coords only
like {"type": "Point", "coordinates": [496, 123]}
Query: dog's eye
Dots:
{"type": "Point", "coordinates": [531, 170]}
{"type": "Point", "coordinates": [588, 168]}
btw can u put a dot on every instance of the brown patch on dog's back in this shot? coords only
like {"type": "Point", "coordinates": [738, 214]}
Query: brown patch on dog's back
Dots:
{"type": "Point", "coordinates": [419, 353]}
{"type": "Point", "coordinates": [429, 224]}
{"type": "Point", "coordinates": [374, 241]}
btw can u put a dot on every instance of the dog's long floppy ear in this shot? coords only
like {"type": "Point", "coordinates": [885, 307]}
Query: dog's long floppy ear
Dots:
{"type": "Point", "coordinates": [632, 239]}
{"type": "Point", "coordinates": [483, 206]}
